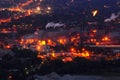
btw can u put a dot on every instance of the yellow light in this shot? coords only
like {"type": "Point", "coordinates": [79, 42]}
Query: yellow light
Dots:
{"type": "Point", "coordinates": [53, 54]}
{"type": "Point", "coordinates": [87, 54]}
{"type": "Point", "coordinates": [94, 12]}
{"type": "Point", "coordinates": [83, 55]}
{"type": "Point", "coordinates": [43, 43]}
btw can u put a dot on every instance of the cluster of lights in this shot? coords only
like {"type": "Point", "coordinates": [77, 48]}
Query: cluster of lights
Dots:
{"type": "Point", "coordinates": [105, 38]}
{"type": "Point", "coordinates": [22, 11]}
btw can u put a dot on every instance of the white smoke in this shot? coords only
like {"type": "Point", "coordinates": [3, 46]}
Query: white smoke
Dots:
{"type": "Point", "coordinates": [50, 24]}
{"type": "Point", "coordinates": [54, 25]}
{"type": "Point", "coordinates": [58, 25]}
{"type": "Point", "coordinates": [113, 17]}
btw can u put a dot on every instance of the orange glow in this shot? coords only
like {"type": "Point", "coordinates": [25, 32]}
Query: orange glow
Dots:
{"type": "Point", "coordinates": [21, 41]}
{"type": "Point", "coordinates": [38, 48]}
{"type": "Point", "coordinates": [28, 12]}
{"type": "Point", "coordinates": [8, 46]}
{"type": "Point", "coordinates": [15, 9]}
{"type": "Point", "coordinates": [94, 31]}
{"type": "Point", "coordinates": [29, 41]}
{"type": "Point", "coordinates": [97, 43]}
{"type": "Point", "coordinates": [72, 50]}
{"type": "Point", "coordinates": [5, 20]}
{"type": "Point", "coordinates": [49, 41]}
{"type": "Point", "coordinates": [53, 54]}
{"type": "Point", "coordinates": [85, 54]}
{"type": "Point", "coordinates": [93, 40]}
{"type": "Point", "coordinates": [40, 56]}
{"type": "Point", "coordinates": [67, 59]}
{"type": "Point", "coordinates": [73, 39]}
{"type": "Point", "coordinates": [106, 38]}
{"type": "Point", "coordinates": [62, 41]}
{"type": "Point", "coordinates": [77, 54]}
{"type": "Point", "coordinates": [83, 49]}
{"type": "Point", "coordinates": [23, 11]}
{"type": "Point", "coordinates": [27, 3]}
{"type": "Point", "coordinates": [5, 31]}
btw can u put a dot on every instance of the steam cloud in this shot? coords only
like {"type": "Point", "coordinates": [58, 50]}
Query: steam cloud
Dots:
{"type": "Point", "coordinates": [54, 25]}
{"type": "Point", "coordinates": [113, 17]}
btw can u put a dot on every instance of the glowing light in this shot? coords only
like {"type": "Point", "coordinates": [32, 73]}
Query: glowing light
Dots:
{"type": "Point", "coordinates": [49, 8]}
{"type": "Point", "coordinates": [10, 77]}
{"type": "Point", "coordinates": [85, 54]}
{"type": "Point", "coordinates": [72, 50]}
{"type": "Point", "coordinates": [43, 43]}
{"type": "Point", "coordinates": [38, 8]}
{"type": "Point", "coordinates": [5, 20]}
{"type": "Point", "coordinates": [83, 49]}
{"type": "Point", "coordinates": [105, 38]}
{"type": "Point", "coordinates": [27, 3]}
{"type": "Point", "coordinates": [53, 54]}
{"type": "Point", "coordinates": [94, 12]}
{"type": "Point", "coordinates": [21, 7]}
{"type": "Point", "coordinates": [49, 41]}
{"type": "Point", "coordinates": [67, 59]}
{"type": "Point", "coordinates": [62, 41]}
{"type": "Point", "coordinates": [73, 39]}
{"type": "Point", "coordinates": [94, 31]}
{"type": "Point", "coordinates": [38, 48]}
{"type": "Point", "coordinates": [8, 46]}
{"type": "Point", "coordinates": [97, 43]}
{"type": "Point", "coordinates": [40, 56]}
{"type": "Point", "coordinates": [93, 40]}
